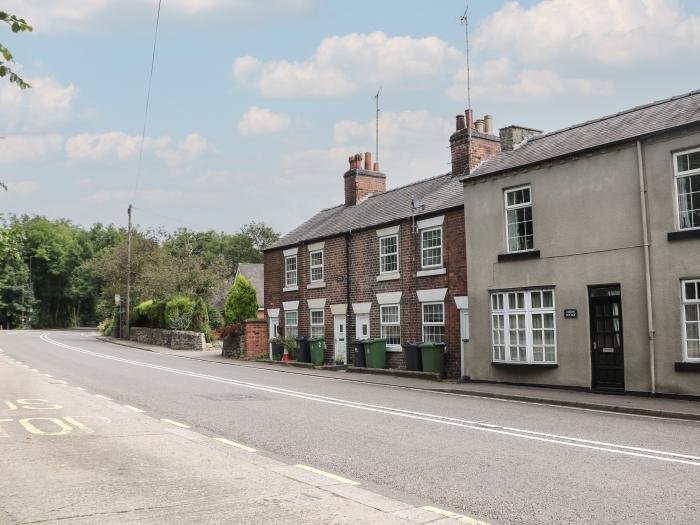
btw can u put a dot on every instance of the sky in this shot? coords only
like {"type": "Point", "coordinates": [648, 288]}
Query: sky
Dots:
{"type": "Point", "coordinates": [256, 106]}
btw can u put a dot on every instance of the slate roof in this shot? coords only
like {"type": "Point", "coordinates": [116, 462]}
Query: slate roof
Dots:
{"type": "Point", "coordinates": [255, 273]}
{"type": "Point", "coordinates": [621, 127]}
{"type": "Point", "coordinates": [437, 193]}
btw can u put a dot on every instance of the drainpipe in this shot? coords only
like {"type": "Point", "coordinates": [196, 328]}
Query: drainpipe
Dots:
{"type": "Point", "coordinates": [647, 271]}
{"type": "Point", "coordinates": [347, 288]}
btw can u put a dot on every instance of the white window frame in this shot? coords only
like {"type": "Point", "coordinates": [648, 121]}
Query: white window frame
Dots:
{"type": "Point", "coordinates": [313, 266]}
{"type": "Point", "coordinates": [313, 325]}
{"type": "Point", "coordinates": [433, 323]}
{"type": "Point", "coordinates": [500, 308]}
{"type": "Point", "coordinates": [676, 177]}
{"type": "Point", "coordinates": [396, 323]}
{"type": "Point", "coordinates": [510, 207]}
{"type": "Point", "coordinates": [382, 256]}
{"type": "Point", "coordinates": [288, 272]}
{"type": "Point", "coordinates": [288, 325]}
{"type": "Point", "coordinates": [689, 302]}
{"type": "Point", "coordinates": [423, 248]}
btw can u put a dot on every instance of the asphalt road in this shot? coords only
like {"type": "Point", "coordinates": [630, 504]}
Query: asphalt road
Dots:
{"type": "Point", "coordinates": [498, 461]}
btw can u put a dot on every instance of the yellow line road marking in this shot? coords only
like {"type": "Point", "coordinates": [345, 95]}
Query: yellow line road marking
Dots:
{"type": "Point", "coordinates": [79, 425]}
{"type": "Point", "coordinates": [176, 423]}
{"type": "Point", "coordinates": [455, 516]}
{"type": "Point", "coordinates": [237, 445]}
{"type": "Point", "coordinates": [61, 381]}
{"type": "Point", "coordinates": [64, 428]}
{"type": "Point", "coordinates": [104, 397]}
{"type": "Point", "coordinates": [11, 405]}
{"type": "Point", "coordinates": [328, 475]}
{"type": "Point", "coordinates": [134, 408]}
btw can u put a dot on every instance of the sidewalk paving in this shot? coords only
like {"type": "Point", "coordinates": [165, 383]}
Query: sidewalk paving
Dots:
{"type": "Point", "coordinates": [627, 404]}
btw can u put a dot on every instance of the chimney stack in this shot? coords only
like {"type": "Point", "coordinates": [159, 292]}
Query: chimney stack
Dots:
{"type": "Point", "coordinates": [468, 150]}
{"type": "Point", "coordinates": [488, 124]}
{"type": "Point", "coordinates": [480, 126]}
{"type": "Point", "coordinates": [460, 122]}
{"type": "Point", "coordinates": [368, 161]}
{"type": "Point", "coordinates": [512, 136]}
{"type": "Point", "coordinates": [362, 179]}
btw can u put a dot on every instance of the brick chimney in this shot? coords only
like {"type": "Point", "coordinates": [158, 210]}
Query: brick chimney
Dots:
{"type": "Point", "coordinates": [362, 179]}
{"type": "Point", "coordinates": [484, 144]}
{"type": "Point", "coordinates": [512, 136]}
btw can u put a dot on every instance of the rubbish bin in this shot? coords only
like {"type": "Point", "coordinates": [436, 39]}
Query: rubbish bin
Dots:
{"type": "Point", "coordinates": [358, 358]}
{"type": "Point", "coordinates": [318, 345]}
{"type": "Point", "coordinates": [375, 353]}
{"type": "Point", "coordinates": [433, 357]}
{"type": "Point", "coordinates": [277, 350]}
{"type": "Point", "coordinates": [303, 350]}
{"type": "Point", "coordinates": [412, 355]}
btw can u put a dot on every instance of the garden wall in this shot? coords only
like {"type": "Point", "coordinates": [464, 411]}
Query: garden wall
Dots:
{"type": "Point", "coordinates": [175, 339]}
{"type": "Point", "coordinates": [250, 344]}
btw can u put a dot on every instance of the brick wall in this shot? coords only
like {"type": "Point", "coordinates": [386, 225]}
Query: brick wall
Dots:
{"type": "Point", "coordinates": [254, 339]}
{"type": "Point", "coordinates": [483, 146]}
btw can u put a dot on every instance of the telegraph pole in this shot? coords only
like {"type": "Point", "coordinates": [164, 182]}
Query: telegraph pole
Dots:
{"type": "Point", "coordinates": [128, 273]}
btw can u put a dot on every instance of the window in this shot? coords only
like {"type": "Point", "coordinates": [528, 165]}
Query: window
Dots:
{"type": "Point", "coordinates": [519, 219]}
{"type": "Point", "coordinates": [434, 322]}
{"type": "Point", "coordinates": [291, 324]}
{"type": "Point", "coordinates": [317, 326]}
{"type": "Point", "coordinates": [316, 266]}
{"type": "Point", "coordinates": [389, 254]}
{"type": "Point", "coordinates": [522, 326]}
{"type": "Point", "coordinates": [431, 247]}
{"type": "Point", "coordinates": [290, 271]}
{"type": "Point", "coordinates": [691, 320]}
{"type": "Point", "coordinates": [687, 169]}
{"type": "Point", "coordinates": [390, 321]}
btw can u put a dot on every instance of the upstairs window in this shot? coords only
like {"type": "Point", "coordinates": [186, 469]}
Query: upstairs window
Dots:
{"type": "Point", "coordinates": [389, 254]}
{"type": "Point", "coordinates": [390, 321]}
{"type": "Point", "coordinates": [687, 172]}
{"type": "Point", "coordinates": [290, 271]}
{"type": "Point", "coordinates": [291, 324]}
{"type": "Point", "coordinates": [317, 326]}
{"type": "Point", "coordinates": [691, 320]}
{"type": "Point", "coordinates": [433, 322]}
{"type": "Point", "coordinates": [431, 247]}
{"type": "Point", "coordinates": [316, 265]}
{"type": "Point", "coordinates": [519, 219]}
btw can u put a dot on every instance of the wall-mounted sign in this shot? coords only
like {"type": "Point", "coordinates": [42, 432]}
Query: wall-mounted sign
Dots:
{"type": "Point", "coordinates": [570, 313]}
{"type": "Point", "coordinates": [117, 298]}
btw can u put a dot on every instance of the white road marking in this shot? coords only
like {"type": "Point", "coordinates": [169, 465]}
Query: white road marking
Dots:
{"type": "Point", "coordinates": [34, 370]}
{"type": "Point", "coordinates": [104, 397]}
{"type": "Point", "coordinates": [61, 381]}
{"type": "Point", "coordinates": [455, 516]}
{"type": "Point", "coordinates": [134, 409]}
{"type": "Point", "coordinates": [175, 423]}
{"type": "Point", "coordinates": [237, 445]}
{"type": "Point", "coordinates": [48, 375]}
{"type": "Point", "coordinates": [339, 479]}
{"type": "Point", "coordinates": [79, 388]}
{"type": "Point", "coordinates": [659, 455]}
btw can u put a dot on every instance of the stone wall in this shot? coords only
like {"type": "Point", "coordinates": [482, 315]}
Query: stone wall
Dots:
{"type": "Point", "coordinates": [175, 339]}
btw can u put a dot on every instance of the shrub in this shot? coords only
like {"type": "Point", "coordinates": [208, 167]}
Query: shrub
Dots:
{"type": "Point", "coordinates": [242, 302]}
{"type": "Point", "coordinates": [178, 313]}
{"type": "Point", "coordinates": [216, 318]}
{"type": "Point", "coordinates": [105, 327]}
{"type": "Point", "coordinates": [141, 313]}
{"type": "Point", "coordinates": [200, 319]}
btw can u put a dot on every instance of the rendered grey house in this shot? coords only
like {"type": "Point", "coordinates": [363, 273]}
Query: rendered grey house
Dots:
{"type": "Point", "coordinates": [584, 255]}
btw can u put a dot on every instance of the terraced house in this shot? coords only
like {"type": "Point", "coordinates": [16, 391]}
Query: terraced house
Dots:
{"type": "Point", "coordinates": [385, 263]}
{"type": "Point", "coordinates": [583, 255]}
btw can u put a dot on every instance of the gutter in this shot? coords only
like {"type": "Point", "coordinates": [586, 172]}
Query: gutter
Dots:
{"type": "Point", "coordinates": [647, 270]}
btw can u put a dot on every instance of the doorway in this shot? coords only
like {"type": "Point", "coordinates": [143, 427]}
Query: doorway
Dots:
{"type": "Point", "coordinates": [340, 338]}
{"type": "Point", "coordinates": [607, 343]}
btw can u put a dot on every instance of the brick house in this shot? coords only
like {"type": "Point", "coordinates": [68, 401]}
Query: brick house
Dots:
{"type": "Point", "coordinates": [385, 263]}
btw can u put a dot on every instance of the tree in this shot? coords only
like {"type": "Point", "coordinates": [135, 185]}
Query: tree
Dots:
{"type": "Point", "coordinates": [242, 302]}
{"type": "Point", "coordinates": [16, 298]}
{"type": "Point", "coordinates": [260, 234]}
{"type": "Point", "coordinates": [17, 25]}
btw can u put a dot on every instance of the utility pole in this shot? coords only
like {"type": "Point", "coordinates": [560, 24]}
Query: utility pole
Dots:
{"type": "Point", "coordinates": [128, 273]}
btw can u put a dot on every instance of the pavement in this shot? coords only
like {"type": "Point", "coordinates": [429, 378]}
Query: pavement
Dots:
{"type": "Point", "coordinates": [628, 404]}
{"type": "Point", "coordinates": [411, 450]}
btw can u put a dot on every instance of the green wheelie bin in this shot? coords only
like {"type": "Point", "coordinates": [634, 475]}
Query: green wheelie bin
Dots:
{"type": "Point", "coordinates": [375, 353]}
{"type": "Point", "coordinates": [318, 345]}
{"type": "Point", "coordinates": [433, 357]}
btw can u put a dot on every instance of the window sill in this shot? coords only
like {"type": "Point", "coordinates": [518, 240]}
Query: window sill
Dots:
{"type": "Point", "coordinates": [388, 276]}
{"type": "Point", "coordinates": [290, 289]}
{"type": "Point", "coordinates": [524, 365]}
{"type": "Point", "coordinates": [518, 256]}
{"type": "Point", "coordinates": [394, 348]}
{"type": "Point", "coordinates": [320, 284]}
{"type": "Point", "coordinates": [680, 235]}
{"type": "Point", "coordinates": [688, 366]}
{"type": "Point", "coordinates": [426, 273]}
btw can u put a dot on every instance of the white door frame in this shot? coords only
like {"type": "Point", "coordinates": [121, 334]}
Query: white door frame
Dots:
{"type": "Point", "coordinates": [340, 337]}
{"type": "Point", "coordinates": [361, 319]}
{"type": "Point", "coordinates": [462, 303]}
{"type": "Point", "coordinates": [273, 325]}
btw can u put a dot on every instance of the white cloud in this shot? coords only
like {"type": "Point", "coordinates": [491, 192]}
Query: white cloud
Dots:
{"type": "Point", "coordinates": [605, 31]}
{"type": "Point", "coordinates": [188, 150]}
{"type": "Point", "coordinates": [149, 195]}
{"type": "Point", "coordinates": [343, 64]}
{"type": "Point", "coordinates": [395, 129]}
{"type": "Point", "coordinates": [260, 121]}
{"type": "Point", "coordinates": [47, 103]}
{"type": "Point", "coordinates": [22, 187]}
{"type": "Point", "coordinates": [17, 148]}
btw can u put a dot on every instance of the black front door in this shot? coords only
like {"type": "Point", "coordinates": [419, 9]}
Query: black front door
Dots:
{"type": "Point", "coordinates": [606, 338]}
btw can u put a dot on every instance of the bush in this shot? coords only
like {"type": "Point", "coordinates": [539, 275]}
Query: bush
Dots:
{"type": "Point", "coordinates": [105, 327]}
{"type": "Point", "coordinates": [141, 313]}
{"type": "Point", "coordinates": [200, 319]}
{"type": "Point", "coordinates": [242, 302]}
{"type": "Point", "coordinates": [216, 318]}
{"type": "Point", "coordinates": [178, 313]}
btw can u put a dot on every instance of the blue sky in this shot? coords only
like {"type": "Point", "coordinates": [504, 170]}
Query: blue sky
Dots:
{"type": "Point", "coordinates": [255, 108]}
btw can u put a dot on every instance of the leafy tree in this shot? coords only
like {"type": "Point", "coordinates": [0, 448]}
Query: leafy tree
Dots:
{"type": "Point", "coordinates": [200, 319]}
{"type": "Point", "coordinates": [16, 298]}
{"type": "Point", "coordinates": [242, 302]}
{"type": "Point", "coordinates": [260, 234]}
{"type": "Point", "coordinates": [17, 25]}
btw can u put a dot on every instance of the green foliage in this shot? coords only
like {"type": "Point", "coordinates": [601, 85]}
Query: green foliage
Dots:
{"type": "Point", "coordinates": [242, 302]}
{"type": "Point", "coordinates": [16, 297]}
{"type": "Point", "coordinates": [105, 327]}
{"type": "Point", "coordinates": [17, 25]}
{"type": "Point", "coordinates": [216, 318]}
{"type": "Point", "coordinates": [260, 234]}
{"type": "Point", "coordinates": [178, 313]}
{"type": "Point", "coordinates": [200, 319]}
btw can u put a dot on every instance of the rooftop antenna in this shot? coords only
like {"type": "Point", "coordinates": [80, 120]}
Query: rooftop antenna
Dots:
{"type": "Point", "coordinates": [464, 19]}
{"type": "Point", "coordinates": [376, 132]}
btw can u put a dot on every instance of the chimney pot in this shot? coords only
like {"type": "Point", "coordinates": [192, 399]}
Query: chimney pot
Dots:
{"type": "Point", "coordinates": [480, 126]}
{"type": "Point", "coordinates": [470, 118]}
{"type": "Point", "coordinates": [460, 122]}
{"type": "Point", "coordinates": [375, 167]}
{"type": "Point", "coordinates": [368, 160]}
{"type": "Point", "coordinates": [488, 124]}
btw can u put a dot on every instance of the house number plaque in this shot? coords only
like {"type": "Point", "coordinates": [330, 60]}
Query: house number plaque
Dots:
{"type": "Point", "coordinates": [570, 313]}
